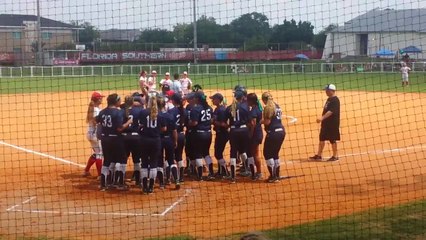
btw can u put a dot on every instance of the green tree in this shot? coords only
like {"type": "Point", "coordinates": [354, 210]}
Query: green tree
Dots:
{"type": "Point", "coordinates": [156, 36]}
{"type": "Point", "coordinates": [248, 26]}
{"type": "Point", "coordinates": [88, 34]}
{"type": "Point", "coordinates": [291, 33]}
{"type": "Point", "coordinates": [257, 42]}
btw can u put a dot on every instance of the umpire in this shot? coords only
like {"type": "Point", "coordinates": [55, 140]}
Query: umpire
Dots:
{"type": "Point", "coordinates": [330, 123]}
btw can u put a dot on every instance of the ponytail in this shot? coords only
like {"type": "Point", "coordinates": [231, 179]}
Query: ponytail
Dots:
{"type": "Point", "coordinates": [153, 105]}
{"type": "Point", "coordinates": [270, 107]}
{"type": "Point", "coordinates": [204, 102]}
{"type": "Point", "coordinates": [234, 108]}
{"type": "Point", "coordinates": [90, 110]}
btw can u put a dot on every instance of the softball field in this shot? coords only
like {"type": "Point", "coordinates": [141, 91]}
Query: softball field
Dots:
{"type": "Point", "coordinates": [44, 150]}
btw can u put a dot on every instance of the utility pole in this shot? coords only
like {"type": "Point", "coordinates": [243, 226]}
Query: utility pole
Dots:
{"type": "Point", "coordinates": [39, 52]}
{"type": "Point", "coordinates": [195, 31]}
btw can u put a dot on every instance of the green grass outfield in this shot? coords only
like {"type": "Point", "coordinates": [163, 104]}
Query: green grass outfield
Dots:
{"type": "Point", "coordinates": [357, 82]}
{"type": "Point", "coordinates": [407, 221]}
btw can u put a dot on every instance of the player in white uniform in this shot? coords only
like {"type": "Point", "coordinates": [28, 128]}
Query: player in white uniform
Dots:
{"type": "Point", "coordinates": [93, 111]}
{"type": "Point", "coordinates": [166, 80]}
{"type": "Point", "coordinates": [186, 83]}
{"type": "Point", "coordinates": [152, 82]}
{"type": "Point", "coordinates": [405, 70]}
{"type": "Point", "coordinates": [143, 79]}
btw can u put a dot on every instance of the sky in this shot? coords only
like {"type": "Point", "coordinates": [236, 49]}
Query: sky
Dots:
{"type": "Point", "coordinates": [138, 14]}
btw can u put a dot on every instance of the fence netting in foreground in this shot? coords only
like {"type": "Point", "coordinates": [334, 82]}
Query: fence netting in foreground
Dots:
{"type": "Point", "coordinates": [278, 119]}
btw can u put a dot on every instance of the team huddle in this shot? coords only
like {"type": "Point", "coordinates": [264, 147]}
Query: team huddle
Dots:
{"type": "Point", "coordinates": [157, 127]}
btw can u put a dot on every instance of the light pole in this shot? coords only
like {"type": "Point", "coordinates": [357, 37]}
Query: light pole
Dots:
{"type": "Point", "coordinates": [39, 51]}
{"type": "Point", "coordinates": [195, 31]}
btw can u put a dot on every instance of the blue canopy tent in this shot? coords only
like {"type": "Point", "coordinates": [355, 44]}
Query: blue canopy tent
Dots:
{"type": "Point", "coordinates": [385, 53]}
{"type": "Point", "coordinates": [301, 57]}
{"type": "Point", "coordinates": [411, 49]}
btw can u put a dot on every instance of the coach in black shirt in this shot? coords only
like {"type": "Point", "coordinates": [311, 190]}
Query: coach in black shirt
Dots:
{"type": "Point", "coordinates": [330, 123]}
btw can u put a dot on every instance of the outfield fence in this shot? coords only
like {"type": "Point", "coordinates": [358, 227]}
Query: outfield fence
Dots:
{"type": "Point", "coordinates": [209, 69]}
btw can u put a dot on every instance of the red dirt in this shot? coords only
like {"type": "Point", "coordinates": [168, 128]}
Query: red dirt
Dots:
{"type": "Point", "coordinates": [53, 123]}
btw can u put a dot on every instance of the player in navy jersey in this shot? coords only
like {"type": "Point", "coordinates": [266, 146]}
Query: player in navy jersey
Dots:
{"type": "Point", "coordinates": [220, 126]}
{"type": "Point", "coordinates": [256, 136]}
{"type": "Point", "coordinates": [190, 160]}
{"type": "Point", "coordinates": [179, 115]}
{"type": "Point", "coordinates": [111, 119]}
{"type": "Point", "coordinates": [200, 124]}
{"type": "Point", "coordinates": [275, 134]}
{"type": "Point", "coordinates": [151, 126]}
{"type": "Point", "coordinates": [238, 116]}
{"type": "Point", "coordinates": [168, 144]}
{"type": "Point", "coordinates": [132, 108]}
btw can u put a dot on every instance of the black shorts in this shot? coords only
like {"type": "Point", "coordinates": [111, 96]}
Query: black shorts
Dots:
{"type": "Point", "coordinates": [220, 143]}
{"type": "Point", "coordinates": [150, 152]}
{"type": "Point", "coordinates": [272, 145]}
{"type": "Point", "coordinates": [331, 134]}
{"type": "Point", "coordinates": [201, 144]}
{"type": "Point", "coordinates": [113, 150]}
{"type": "Point", "coordinates": [239, 140]}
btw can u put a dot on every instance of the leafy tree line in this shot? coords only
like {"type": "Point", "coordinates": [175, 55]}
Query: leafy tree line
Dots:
{"type": "Point", "coordinates": [250, 31]}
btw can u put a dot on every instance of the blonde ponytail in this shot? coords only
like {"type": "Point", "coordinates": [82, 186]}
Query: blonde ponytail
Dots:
{"type": "Point", "coordinates": [90, 110]}
{"type": "Point", "coordinates": [234, 108]}
{"type": "Point", "coordinates": [153, 105]}
{"type": "Point", "coordinates": [270, 107]}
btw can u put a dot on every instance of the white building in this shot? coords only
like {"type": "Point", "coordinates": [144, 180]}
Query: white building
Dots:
{"type": "Point", "coordinates": [377, 29]}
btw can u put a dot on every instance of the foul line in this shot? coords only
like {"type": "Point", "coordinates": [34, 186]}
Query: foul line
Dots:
{"type": "Point", "coordinates": [378, 152]}
{"type": "Point", "coordinates": [125, 214]}
{"type": "Point", "coordinates": [42, 154]}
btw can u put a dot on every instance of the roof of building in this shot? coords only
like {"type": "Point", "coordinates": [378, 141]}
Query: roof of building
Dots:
{"type": "Point", "coordinates": [129, 35]}
{"type": "Point", "coordinates": [387, 20]}
{"type": "Point", "coordinates": [17, 20]}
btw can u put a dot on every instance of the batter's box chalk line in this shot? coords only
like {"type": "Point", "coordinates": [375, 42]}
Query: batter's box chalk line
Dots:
{"type": "Point", "coordinates": [20, 208]}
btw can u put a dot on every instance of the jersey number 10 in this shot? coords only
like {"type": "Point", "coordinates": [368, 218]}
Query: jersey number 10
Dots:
{"type": "Point", "coordinates": [151, 123]}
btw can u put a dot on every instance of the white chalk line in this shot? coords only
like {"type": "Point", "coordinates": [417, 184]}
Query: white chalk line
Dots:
{"type": "Point", "coordinates": [42, 154]}
{"type": "Point", "coordinates": [122, 214]}
{"type": "Point", "coordinates": [384, 151]}
{"type": "Point", "coordinates": [187, 192]}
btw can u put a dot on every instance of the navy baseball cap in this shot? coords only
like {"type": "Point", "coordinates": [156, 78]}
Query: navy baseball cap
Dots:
{"type": "Point", "coordinates": [217, 96]}
{"type": "Point", "coordinates": [238, 94]}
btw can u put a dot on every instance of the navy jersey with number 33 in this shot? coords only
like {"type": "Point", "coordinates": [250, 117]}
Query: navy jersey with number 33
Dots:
{"type": "Point", "coordinates": [111, 119]}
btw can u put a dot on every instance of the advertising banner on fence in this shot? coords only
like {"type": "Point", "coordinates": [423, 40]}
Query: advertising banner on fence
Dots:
{"type": "Point", "coordinates": [98, 57]}
{"type": "Point", "coordinates": [67, 62]}
{"type": "Point", "coordinates": [136, 56]}
{"type": "Point", "coordinates": [7, 58]}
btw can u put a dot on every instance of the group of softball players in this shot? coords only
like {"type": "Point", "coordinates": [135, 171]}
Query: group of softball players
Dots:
{"type": "Point", "coordinates": [156, 128]}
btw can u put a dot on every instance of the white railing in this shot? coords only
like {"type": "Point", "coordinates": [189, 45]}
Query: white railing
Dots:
{"type": "Point", "coordinates": [207, 69]}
